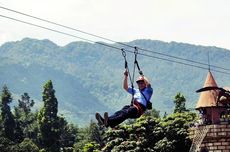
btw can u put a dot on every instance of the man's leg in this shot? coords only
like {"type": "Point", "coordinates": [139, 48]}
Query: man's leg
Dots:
{"type": "Point", "coordinates": [120, 116]}
{"type": "Point", "coordinates": [99, 119]}
{"type": "Point", "coordinates": [106, 117]}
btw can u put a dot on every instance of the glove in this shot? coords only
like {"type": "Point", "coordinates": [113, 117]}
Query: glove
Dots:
{"type": "Point", "coordinates": [126, 72]}
{"type": "Point", "coordinates": [140, 72]}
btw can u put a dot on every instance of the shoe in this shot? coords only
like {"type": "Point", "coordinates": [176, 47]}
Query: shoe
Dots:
{"type": "Point", "coordinates": [99, 119]}
{"type": "Point", "coordinates": [106, 117]}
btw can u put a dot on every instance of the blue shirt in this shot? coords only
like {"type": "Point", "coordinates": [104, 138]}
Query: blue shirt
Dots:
{"type": "Point", "coordinates": [148, 91]}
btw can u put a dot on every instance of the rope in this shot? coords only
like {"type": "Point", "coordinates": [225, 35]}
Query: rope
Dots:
{"type": "Point", "coordinates": [134, 68]}
{"type": "Point", "coordinates": [126, 66]}
{"type": "Point", "coordinates": [130, 78]}
{"type": "Point", "coordinates": [135, 62]}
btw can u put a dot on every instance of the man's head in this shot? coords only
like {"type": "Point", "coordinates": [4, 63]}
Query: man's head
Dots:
{"type": "Point", "coordinates": [141, 82]}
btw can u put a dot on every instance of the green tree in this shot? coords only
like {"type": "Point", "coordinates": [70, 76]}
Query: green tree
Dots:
{"type": "Point", "coordinates": [5, 144]}
{"type": "Point", "coordinates": [176, 132]}
{"type": "Point", "coordinates": [24, 118]}
{"type": "Point", "coordinates": [91, 147]}
{"type": "Point", "coordinates": [90, 137]}
{"type": "Point", "coordinates": [153, 112]}
{"type": "Point", "coordinates": [164, 145]}
{"type": "Point", "coordinates": [82, 139]}
{"type": "Point", "coordinates": [48, 120]}
{"type": "Point", "coordinates": [25, 104]}
{"type": "Point", "coordinates": [8, 122]}
{"type": "Point", "coordinates": [27, 146]}
{"type": "Point", "coordinates": [19, 136]}
{"type": "Point", "coordinates": [68, 136]}
{"type": "Point", "coordinates": [179, 101]}
{"type": "Point", "coordinates": [31, 130]}
{"type": "Point", "coordinates": [139, 136]}
{"type": "Point", "coordinates": [165, 115]}
{"type": "Point", "coordinates": [95, 134]}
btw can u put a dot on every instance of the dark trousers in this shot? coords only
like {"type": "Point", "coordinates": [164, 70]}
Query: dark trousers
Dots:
{"type": "Point", "coordinates": [123, 114]}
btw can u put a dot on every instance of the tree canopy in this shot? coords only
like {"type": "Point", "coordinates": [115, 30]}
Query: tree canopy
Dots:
{"type": "Point", "coordinates": [8, 122]}
{"type": "Point", "coordinates": [46, 131]}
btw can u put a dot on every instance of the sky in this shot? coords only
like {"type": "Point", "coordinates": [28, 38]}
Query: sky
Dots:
{"type": "Point", "coordinates": [199, 22]}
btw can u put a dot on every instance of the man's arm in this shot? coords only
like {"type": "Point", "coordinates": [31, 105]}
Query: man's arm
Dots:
{"type": "Point", "coordinates": [125, 82]}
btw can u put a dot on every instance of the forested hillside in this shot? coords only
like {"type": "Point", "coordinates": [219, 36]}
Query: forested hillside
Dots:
{"type": "Point", "coordinates": [88, 77]}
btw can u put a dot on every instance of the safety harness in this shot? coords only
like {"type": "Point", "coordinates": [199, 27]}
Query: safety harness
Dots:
{"type": "Point", "coordinates": [140, 108]}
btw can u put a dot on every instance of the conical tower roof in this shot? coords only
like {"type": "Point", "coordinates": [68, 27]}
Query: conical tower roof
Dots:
{"type": "Point", "coordinates": [208, 98]}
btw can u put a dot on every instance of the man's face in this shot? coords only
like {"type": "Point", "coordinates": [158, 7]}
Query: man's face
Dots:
{"type": "Point", "coordinates": [141, 85]}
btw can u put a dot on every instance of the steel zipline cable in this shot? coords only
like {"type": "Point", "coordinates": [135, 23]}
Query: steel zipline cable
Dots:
{"type": "Point", "coordinates": [108, 45]}
{"type": "Point", "coordinates": [107, 39]}
{"type": "Point", "coordinates": [178, 62]}
{"type": "Point", "coordinates": [57, 31]}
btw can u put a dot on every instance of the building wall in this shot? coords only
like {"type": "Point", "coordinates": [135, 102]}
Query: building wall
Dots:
{"type": "Point", "coordinates": [212, 115]}
{"type": "Point", "coordinates": [217, 138]}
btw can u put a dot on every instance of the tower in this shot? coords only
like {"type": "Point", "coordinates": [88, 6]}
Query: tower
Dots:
{"type": "Point", "coordinates": [213, 132]}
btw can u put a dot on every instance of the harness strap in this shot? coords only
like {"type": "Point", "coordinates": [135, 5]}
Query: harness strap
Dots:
{"type": "Point", "coordinates": [126, 67]}
{"type": "Point", "coordinates": [136, 62]}
{"type": "Point", "coordinates": [139, 107]}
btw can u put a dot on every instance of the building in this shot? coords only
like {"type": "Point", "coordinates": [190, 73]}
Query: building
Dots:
{"type": "Point", "coordinates": [213, 132]}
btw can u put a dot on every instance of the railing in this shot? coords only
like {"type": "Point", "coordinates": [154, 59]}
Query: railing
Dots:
{"type": "Point", "coordinates": [199, 136]}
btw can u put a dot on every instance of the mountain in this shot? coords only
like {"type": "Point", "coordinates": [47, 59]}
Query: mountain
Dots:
{"type": "Point", "coordinates": [88, 77]}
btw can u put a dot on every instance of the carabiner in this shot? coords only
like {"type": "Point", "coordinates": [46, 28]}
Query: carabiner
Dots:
{"type": "Point", "coordinates": [135, 50]}
{"type": "Point", "coordinates": [123, 53]}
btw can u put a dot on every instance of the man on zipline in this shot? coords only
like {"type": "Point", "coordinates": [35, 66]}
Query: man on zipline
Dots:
{"type": "Point", "coordinates": [141, 98]}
